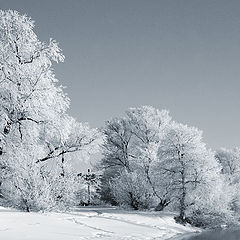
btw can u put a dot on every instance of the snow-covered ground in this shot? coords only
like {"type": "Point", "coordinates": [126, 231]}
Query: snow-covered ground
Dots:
{"type": "Point", "coordinates": [89, 223]}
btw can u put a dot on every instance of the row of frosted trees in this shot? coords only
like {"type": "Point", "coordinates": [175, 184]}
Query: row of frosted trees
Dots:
{"type": "Point", "coordinates": [147, 159]}
{"type": "Point", "coordinates": [151, 161]}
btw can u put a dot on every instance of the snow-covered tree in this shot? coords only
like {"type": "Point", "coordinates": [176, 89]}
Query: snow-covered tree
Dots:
{"type": "Point", "coordinates": [229, 160]}
{"type": "Point", "coordinates": [131, 145]}
{"type": "Point", "coordinates": [116, 147]}
{"type": "Point", "coordinates": [28, 85]}
{"type": "Point", "coordinates": [230, 163]}
{"type": "Point", "coordinates": [115, 154]}
{"type": "Point", "coordinates": [148, 126]}
{"type": "Point", "coordinates": [191, 168]}
{"type": "Point", "coordinates": [35, 131]}
{"type": "Point", "coordinates": [89, 187]}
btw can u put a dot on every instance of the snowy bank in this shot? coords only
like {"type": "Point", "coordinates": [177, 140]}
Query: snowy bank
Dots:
{"type": "Point", "coordinates": [89, 223]}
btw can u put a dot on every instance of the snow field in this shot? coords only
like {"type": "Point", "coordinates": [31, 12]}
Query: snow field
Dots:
{"type": "Point", "coordinates": [90, 223]}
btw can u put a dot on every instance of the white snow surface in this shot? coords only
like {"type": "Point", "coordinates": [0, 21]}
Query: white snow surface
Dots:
{"type": "Point", "coordinates": [90, 223]}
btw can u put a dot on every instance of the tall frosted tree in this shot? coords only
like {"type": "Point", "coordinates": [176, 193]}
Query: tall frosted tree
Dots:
{"type": "Point", "coordinates": [34, 126]}
{"type": "Point", "coordinates": [130, 150]}
{"type": "Point", "coordinates": [194, 174]}
{"type": "Point", "coordinates": [229, 160]}
{"type": "Point", "coordinates": [148, 126]}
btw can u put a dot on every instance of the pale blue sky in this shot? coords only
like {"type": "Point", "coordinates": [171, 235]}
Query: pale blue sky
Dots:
{"type": "Point", "coordinates": [182, 55]}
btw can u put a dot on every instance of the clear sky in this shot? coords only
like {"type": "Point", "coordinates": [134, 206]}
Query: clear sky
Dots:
{"type": "Point", "coordinates": [181, 55]}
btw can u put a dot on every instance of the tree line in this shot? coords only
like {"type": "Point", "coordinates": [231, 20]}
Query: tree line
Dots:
{"type": "Point", "coordinates": [150, 161]}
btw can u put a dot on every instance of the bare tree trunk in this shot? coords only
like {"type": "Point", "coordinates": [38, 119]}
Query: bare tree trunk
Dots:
{"type": "Point", "coordinates": [27, 209]}
{"type": "Point", "coordinates": [182, 206]}
{"type": "Point", "coordinates": [89, 192]}
{"type": "Point", "coordinates": [161, 205]}
{"type": "Point", "coordinates": [26, 205]}
{"type": "Point", "coordinates": [63, 172]}
{"type": "Point", "coordinates": [182, 197]}
{"type": "Point", "coordinates": [134, 203]}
